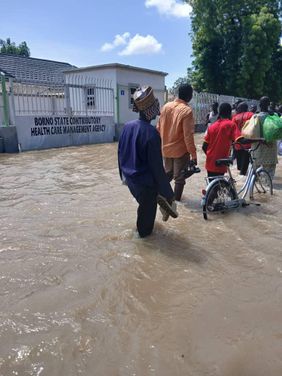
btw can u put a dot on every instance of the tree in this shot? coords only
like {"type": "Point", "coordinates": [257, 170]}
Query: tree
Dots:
{"type": "Point", "coordinates": [174, 89]}
{"type": "Point", "coordinates": [236, 44]}
{"type": "Point", "coordinates": [8, 47]}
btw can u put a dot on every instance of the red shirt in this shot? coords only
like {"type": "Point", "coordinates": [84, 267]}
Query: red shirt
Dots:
{"type": "Point", "coordinates": [219, 137]}
{"type": "Point", "coordinates": [239, 120]}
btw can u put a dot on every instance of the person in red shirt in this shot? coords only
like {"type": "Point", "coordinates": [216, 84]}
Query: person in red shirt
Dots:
{"type": "Point", "coordinates": [218, 140]}
{"type": "Point", "coordinates": [240, 152]}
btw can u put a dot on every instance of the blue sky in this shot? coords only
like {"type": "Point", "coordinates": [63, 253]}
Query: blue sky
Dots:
{"type": "Point", "coordinates": [151, 34]}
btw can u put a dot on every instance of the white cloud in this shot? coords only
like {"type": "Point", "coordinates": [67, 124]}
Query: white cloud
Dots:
{"type": "Point", "coordinates": [107, 47]}
{"type": "Point", "coordinates": [140, 45]}
{"type": "Point", "coordinates": [118, 41]}
{"type": "Point", "coordinates": [170, 7]}
{"type": "Point", "coordinates": [137, 45]}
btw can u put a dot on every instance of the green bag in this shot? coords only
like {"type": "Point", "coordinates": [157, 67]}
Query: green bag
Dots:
{"type": "Point", "coordinates": [272, 128]}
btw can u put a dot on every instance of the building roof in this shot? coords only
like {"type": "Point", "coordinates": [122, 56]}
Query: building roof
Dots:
{"type": "Point", "coordinates": [32, 69]}
{"type": "Point", "coordinates": [5, 73]}
{"type": "Point", "coordinates": [116, 66]}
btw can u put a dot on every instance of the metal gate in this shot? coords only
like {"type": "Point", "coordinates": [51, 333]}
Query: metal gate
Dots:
{"type": "Point", "coordinates": [46, 115]}
{"type": "Point", "coordinates": [84, 96]}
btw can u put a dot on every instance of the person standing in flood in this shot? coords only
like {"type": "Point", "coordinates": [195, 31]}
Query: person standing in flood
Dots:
{"type": "Point", "coordinates": [240, 152]}
{"type": "Point", "coordinates": [141, 165]}
{"type": "Point", "coordinates": [213, 115]}
{"type": "Point", "coordinates": [266, 154]}
{"type": "Point", "coordinates": [176, 126]}
{"type": "Point", "coordinates": [218, 140]}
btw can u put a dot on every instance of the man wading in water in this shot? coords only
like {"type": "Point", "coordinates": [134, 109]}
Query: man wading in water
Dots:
{"type": "Point", "coordinates": [141, 165]}
{"type": "Point", "coordinates": [176, 126]}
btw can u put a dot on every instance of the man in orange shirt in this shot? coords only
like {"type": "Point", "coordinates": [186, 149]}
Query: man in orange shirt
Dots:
{"type": "Point", "coordinates": [176, 126]}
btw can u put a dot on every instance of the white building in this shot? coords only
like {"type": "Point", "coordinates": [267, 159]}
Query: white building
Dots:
{"type": "Point", "coordinates": [124, 79]}
{"type": "Point", "coordinates": [54, 104]}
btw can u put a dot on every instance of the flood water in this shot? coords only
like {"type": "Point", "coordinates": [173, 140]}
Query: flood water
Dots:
{"type": "Point", "coordinates": [81, 294]}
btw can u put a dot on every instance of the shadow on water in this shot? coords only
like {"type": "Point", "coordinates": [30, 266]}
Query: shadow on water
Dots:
{"type": "Point", "coordinates": [174, 245]}
{"type": "Point", "coordinates": [277, 186]}
{"type": "Point", "coordinates": [277, 183]}
{"type": "Point", "coordinates": [193, 204]}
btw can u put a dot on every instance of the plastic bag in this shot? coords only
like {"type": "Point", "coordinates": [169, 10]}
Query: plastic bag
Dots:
{"type": "Point", "coordinates": [251, 129]}
{"type": "Point", "coordinates": [272, 128]}
{"type": "Point", "coordinates": [279, 147]}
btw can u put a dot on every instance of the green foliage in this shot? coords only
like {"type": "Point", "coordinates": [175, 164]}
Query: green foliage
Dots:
{"type": "Point", "coordinates": [8, 47]}
{"type": "Point", "coordinates": [174, 89]}
{"type": "Point", "coordinates": [236, 47]}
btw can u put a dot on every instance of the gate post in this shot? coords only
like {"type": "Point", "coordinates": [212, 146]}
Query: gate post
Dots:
{"type": "Point", "coordinates": [67, 99]}
{"type": "Point", "coordinates": [5, 100]}
{"type": "Point", "coordinates": [12, 102]}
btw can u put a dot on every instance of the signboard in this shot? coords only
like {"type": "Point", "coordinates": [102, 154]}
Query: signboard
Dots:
{"type": "Point", "coordinates": [44, 132]}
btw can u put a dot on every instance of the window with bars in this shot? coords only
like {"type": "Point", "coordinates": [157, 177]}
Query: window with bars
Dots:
{"type": "Point", "coordinates": [90, 97]}
{"type": "Point", "coordinates": [131, 90]}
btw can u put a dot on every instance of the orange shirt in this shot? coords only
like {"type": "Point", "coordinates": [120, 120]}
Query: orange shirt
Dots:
{"type": "Point", "coordinates": [176, 126]}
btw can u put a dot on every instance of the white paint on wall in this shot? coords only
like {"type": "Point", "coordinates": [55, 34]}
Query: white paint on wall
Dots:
{"type": "Point", "coordinates": [44, 132]}
{"type": "Point", "coordinates": [121, 77]}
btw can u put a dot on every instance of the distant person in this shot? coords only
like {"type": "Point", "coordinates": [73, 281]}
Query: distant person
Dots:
{"type": "Point", "coordinates": [253, 108]}
{"type": "Point", "coordinates": [218, 140]}
{"type": "Point", "coordinates": [266, 154]}
{"type": "Point", "coordinates": [213, 115]}
{"type": "Point", "coordinates": [141, 165]}
{"type": "Point", "coordinates": [240, 152]}
{"type": "Point", "coordinates": [279, 143]}
{"type": "Point", "coordinates": [235, 105]}
{"type": "Point", "coordinates": [272, 107]}
{"type": "Point", "coordinates": [176, 126]}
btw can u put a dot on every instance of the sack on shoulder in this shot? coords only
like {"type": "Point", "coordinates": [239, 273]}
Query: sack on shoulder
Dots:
{"type": "Point", "coordinates": [251, 129]}
{"type": "Point", "coordinates": [272, 128]}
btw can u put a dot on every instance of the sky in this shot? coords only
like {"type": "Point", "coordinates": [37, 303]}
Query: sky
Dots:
{"type": "Point", "coordinates": [152, 34]}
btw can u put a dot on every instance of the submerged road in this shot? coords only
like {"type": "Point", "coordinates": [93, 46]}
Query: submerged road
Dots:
{"type": "Point", "coordinates": [82, 295]}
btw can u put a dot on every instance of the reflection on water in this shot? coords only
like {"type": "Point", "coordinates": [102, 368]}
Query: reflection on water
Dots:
{"type": "Point", "coordinates": [81, 294]}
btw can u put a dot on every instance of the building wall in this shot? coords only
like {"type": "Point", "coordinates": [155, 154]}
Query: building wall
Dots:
{"type": "Point", "coordinates": [121, 80]}
{"type": "Point", "coordinates": [8, 140]}
{"type": "Point", "coordinates": [128, 78]}
{"type": "Point", "coordinates": [91, 74]}
{"type": "Point", "coordinates": [104, 82]}
{"type": "Point", "coordinates": [45, 132]}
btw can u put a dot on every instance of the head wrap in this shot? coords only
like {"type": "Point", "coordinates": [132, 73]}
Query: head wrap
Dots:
{"type": "Point", "coordinates": [145, 102]}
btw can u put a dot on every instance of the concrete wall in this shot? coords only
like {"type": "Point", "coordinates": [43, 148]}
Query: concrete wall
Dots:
{"type": "Point", "coordinates": [91, 75]}
{"type": "Point", "coordinates": [121, 78]}
{"type": "Point", "coordinates": [44, 132]}
{"type": "Point", "coordinates": [8, 140]}
{"type": "Point", "coordinates": [127, 78]}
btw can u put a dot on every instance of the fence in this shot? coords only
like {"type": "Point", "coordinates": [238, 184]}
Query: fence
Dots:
{"type": "Point", "coordinates": [47, 115]}
{"type": "Point", "coordinates": [202, 102]}
{"type": "Point", "coordinates": [84, 96]}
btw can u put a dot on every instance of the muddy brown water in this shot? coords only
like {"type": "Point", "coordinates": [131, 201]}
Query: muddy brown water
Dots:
{"type": "Point", "coordinates": [82, 295]}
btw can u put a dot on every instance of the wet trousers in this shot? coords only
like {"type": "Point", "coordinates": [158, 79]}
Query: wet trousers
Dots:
{"type": "Point", "coordinates": [173, 168]}
{"type": "Point", "coordinates": [242, 157]}
{"type": "Point", "coordinates": [147, 209]}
